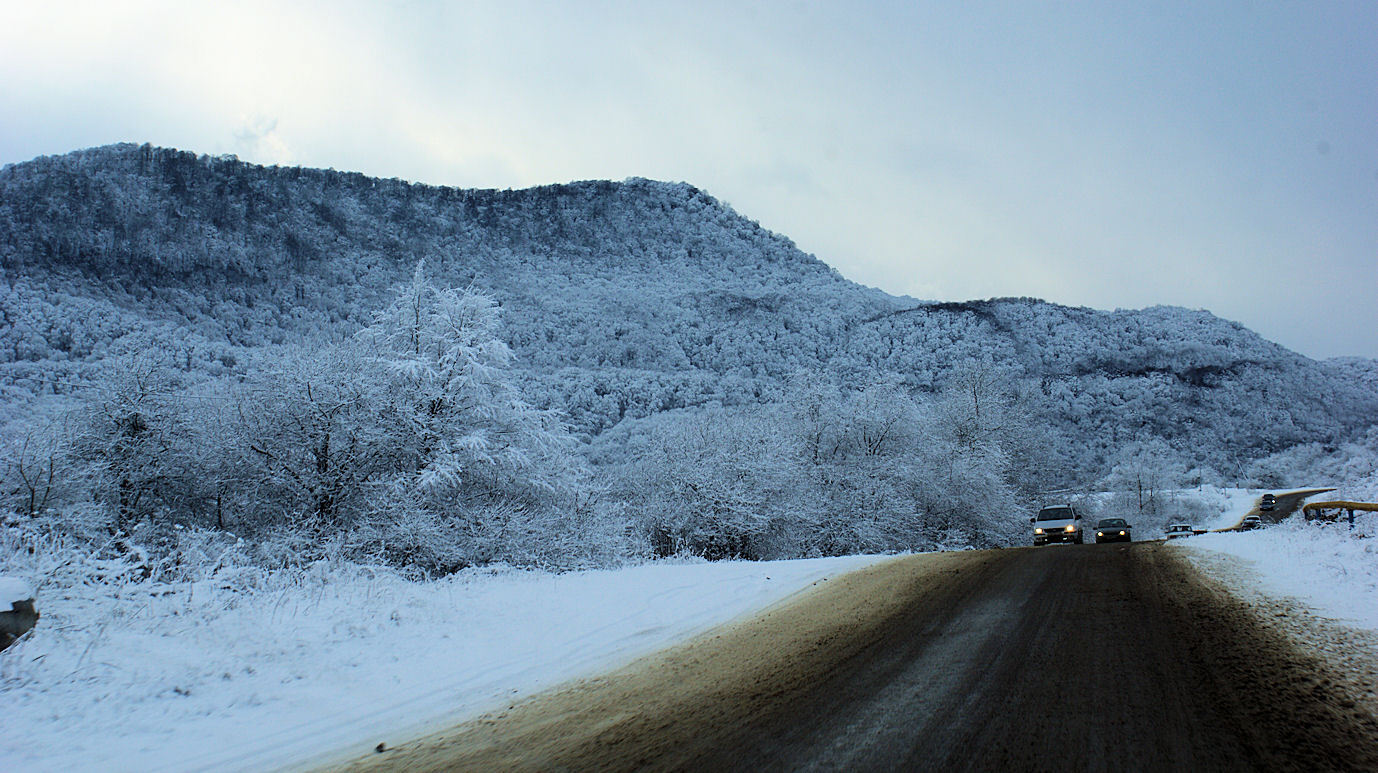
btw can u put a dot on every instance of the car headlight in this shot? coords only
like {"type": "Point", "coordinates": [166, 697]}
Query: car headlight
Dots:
{"type": "Point", "coordinates": [1038, 531]}
{"type": "Point", "coordinates": [1121, 534]}
{"type": "Point", "coordinates": [1070, 527]}
{"type": "Point", "coordinates": [1100, 534]}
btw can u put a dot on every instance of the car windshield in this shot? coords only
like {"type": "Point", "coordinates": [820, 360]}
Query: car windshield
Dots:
{"type": "Point", "coordinates": [1111, 523]}
{"type": "Point", "coordinates": [1055, 514]}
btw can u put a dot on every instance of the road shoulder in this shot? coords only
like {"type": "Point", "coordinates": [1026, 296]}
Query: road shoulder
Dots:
{"type": "Point", "coordinates": [670, 709]}
{"type": "Point", "coordinates": [1348, 655]}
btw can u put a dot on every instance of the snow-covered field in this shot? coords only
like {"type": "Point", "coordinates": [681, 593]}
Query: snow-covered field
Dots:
{"type": "Point", "coordinates": [1327, 567]}
{"type": "Point", "coordinates": [143, 676]}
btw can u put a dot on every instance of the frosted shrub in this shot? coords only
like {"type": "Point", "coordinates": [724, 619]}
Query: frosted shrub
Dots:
{"type": "Point", "coordinates": [54, 559]}
{"type": "Point", "coordinates": [51, 558]}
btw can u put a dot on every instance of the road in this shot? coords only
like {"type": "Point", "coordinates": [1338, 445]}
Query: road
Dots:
{"type": "Point", "coordinates": [1093, 657]}
{"type": "Point", "coordinates": [1287, 503]}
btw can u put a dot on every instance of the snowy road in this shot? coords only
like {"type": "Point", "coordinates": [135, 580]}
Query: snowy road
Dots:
{"type": "Point", "coordinates": [1077, 657]}
{"type": "Point", "coordinates": [1287, 503]}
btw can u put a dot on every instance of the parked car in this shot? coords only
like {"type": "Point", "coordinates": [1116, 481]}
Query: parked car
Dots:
{"type": "Point", "coordinates": [1175, 530]}
{"type": "Point", "coordinates": [1267, 502]}
{"type": "Point", "coordinates": [1059, 523]}
{"type": "Point", "coordinates": [1113, 530]}
{"type": "Point", "coordinates": [1251, 522]}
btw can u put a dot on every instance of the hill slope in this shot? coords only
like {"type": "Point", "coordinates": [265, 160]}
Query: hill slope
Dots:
{"type": "Point", "coordinates": [621, 300]}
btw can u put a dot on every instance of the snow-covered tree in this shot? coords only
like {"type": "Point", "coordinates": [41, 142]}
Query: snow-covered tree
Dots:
{"type": "Point", "coordinates": [468, 456]}
{"type": "Point", "coordinates": [463, 429]}
{"type": "Point", "coordinates": [128, 442]}
{"type": "Point", "coordinates": [1145, 474]}
{"type": "Point", "coordinates": [314, 438]}
{"type": "Point", "coordinates": [36, 472]}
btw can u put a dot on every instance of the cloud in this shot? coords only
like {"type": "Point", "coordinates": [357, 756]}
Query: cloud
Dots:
{"type": "Point", "coordinates": [1090, 155]}
{"type": "Point", "coordinates": [257, 138]}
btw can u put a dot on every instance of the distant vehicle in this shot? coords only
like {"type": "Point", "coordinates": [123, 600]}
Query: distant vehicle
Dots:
{"type": "Point", "coordinates": [1113, 530]}
{"type": "Point", "coordinates": [1251, 522]}
{"type": "Point", "coordinates": [1268, 502]}
{"type": "Point", "coordinates": [1058, 523]}
{"type": "Point", "coordinates": [1176, 530]}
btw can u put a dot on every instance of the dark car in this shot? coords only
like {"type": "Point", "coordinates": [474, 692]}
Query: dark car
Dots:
{"type": "Point", "coordinates": [1113, 530]}
{"type": "Point", "coordinates": [1268, 502]}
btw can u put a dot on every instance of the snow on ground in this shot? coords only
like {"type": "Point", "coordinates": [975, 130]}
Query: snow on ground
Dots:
{"type": "Point", "coordinates": [14, 589]}
{"type": "Point", "coordinates": [1328, 567]}
{"type": "Point", "coordinates": [1230, 504]}
{"type": "Point", "coordinates": [199, 677]}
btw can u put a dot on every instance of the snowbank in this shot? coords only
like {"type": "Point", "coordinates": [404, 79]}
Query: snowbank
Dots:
{"type": "Point", "coordinates": [14, 589]}
{"type": "Point", "coordinates": [198, 677]}
{"type": "Point", "coordinates": [1327, 566]}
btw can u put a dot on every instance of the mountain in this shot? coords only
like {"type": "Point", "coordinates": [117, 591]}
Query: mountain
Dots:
{"type": "Point", "coordinates": [621, 301]}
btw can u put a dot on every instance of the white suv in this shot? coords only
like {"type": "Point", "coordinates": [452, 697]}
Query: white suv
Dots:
{"type": "Point", "coordinates": [1058, 523]}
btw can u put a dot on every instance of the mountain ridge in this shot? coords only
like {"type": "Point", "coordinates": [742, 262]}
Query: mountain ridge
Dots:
{"type": "Point", "coordinates": [621, 300]}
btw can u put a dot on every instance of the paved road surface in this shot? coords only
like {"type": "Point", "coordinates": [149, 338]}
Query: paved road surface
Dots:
{"type": "Point", "coordinates": [1094, 657]}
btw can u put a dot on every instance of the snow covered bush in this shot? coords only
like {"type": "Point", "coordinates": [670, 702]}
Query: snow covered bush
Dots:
{"type": "Point", "coordinates": [717, 484]}
{"type": "Point", "coordinates": [411, 445]}
{"type": "Point", "coordinates": [1350, 466]}
{"type": "Point", "coordinates": [828, 472]}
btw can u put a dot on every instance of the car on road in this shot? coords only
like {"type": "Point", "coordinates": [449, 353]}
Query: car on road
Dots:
{"type": "Point", "coordinates": [1176, 530]}
{"type": "Point", "coordinates": [1251, 522]}
{"type": "Point", "coordinates": [1113, 530]}
{"type": "Point", "coordinates": [1058, 523]}
{"type": "Point", "coordinates": [1267, 502]}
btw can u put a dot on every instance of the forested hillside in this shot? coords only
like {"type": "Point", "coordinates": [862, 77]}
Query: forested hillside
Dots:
{"type": "Point", "coordinates": [700, 364]}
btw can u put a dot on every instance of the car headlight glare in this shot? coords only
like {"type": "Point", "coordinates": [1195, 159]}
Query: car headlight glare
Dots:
{"type": "Point", "coordinates": [1100, 534]}
{"type": "Point", "coordinates": [1038, 531]}
{"type": "Point", "coordinates": [1070, 527]}
{"type": "Point", "coordinates": [1121, 534]}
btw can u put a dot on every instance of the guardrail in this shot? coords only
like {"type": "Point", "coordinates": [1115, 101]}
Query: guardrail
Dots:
{"type": "Point", "coordinates": [1330, 511]}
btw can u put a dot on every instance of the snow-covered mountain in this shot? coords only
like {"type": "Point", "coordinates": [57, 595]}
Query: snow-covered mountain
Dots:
{"type": "Point", "coordinates": [620, 300]}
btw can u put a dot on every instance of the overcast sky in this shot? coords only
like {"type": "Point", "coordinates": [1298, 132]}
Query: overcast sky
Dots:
{"type": "Point", "coordinates": [1113, 155]}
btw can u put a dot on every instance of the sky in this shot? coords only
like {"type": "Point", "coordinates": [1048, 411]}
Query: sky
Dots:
{"type": "Point", "coordinates": [1209, 155]}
